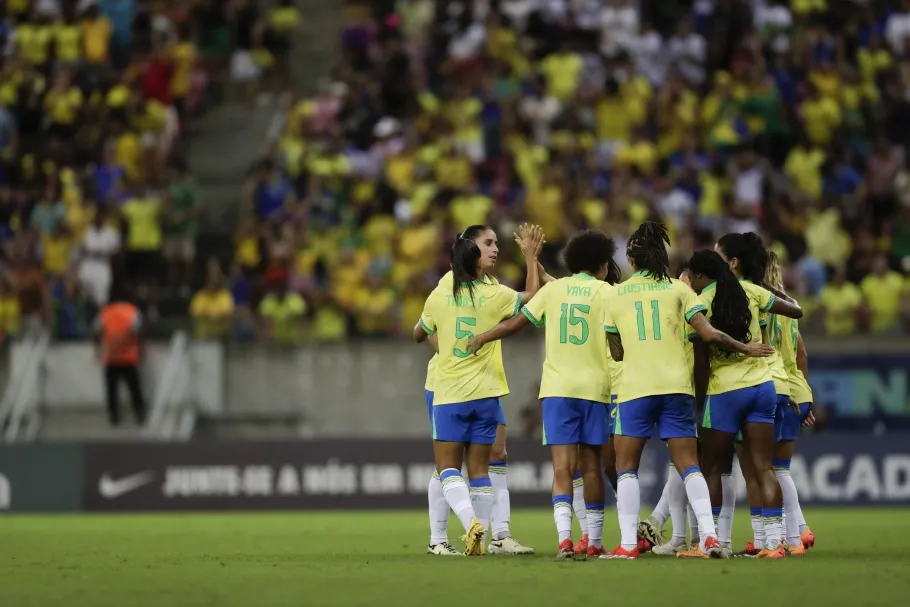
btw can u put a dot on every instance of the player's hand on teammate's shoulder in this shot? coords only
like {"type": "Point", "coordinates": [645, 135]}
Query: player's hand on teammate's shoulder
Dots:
{"type": "Point", "coordinates": [758, 350]}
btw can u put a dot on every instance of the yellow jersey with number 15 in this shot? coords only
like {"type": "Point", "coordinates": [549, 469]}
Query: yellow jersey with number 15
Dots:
{"type": "Point", "coordinates": [651, 317]}
{"type": "Point", "coordinates": [799, 387]}
{"type": "Point", "coordinates": [576, 364]}
{"type": "Point", "coordinates": [772, 324]}
{"type": "Point", "coordinates": [460, 375]}
{"type": "Point", "coordinates": [730, 371]}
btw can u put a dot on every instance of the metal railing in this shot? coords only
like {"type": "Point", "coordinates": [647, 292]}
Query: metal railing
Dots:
{"type": "Point", "coordinates": [19, 408]}
{"type": "Point", "coordinates": [173, 416]}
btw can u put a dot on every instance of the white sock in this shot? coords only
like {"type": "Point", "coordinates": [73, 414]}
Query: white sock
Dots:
{"type": "Point", "coordinates": [677, 501]}
{"type": "Point", "coordinates": [595, 523]}
{"type": "Point", "coordinates": [791, 503]}
{"type": "Point", "coordinates": [457, 496]}
{"type": "Point", "coordinates": [628, 506]}
{"type": "Point", "coordinates": [439, 511]}
{"type": "Point", "coordinates": [771, 517]}
{"type": "Point", "coordinates": [700, 498]}
{"type": "Point", "coordinates": [662, 510]}
{"type": "Point", "coordinates": [502, 507]}
{"type": "Point", "coordinates": [693, 523]}
{"type": "Point", "coordinates": [482, 500]}
{"type": "Point", "coordinates": [802, 522]}
{"type": "Point", "coordinates": [725, 521]}
{"type": "Point", "coordinates": [562, 515]}
{"type": "Point", "coordinates": [758, 527]}
{"type": "Point", "coordinates": [578, 502]}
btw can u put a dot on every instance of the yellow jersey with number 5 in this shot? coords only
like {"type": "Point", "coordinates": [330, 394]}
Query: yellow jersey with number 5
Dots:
{"type": "Point", "coordinates": [460, 375]}
{"type": "Point", "coordinates": [576, 365]}
{"type": "Point", "coordinates": [799, 387]}
{"type": "Point", "coordinates": [772, 324]}
{"type": "Point", "coordinates": [730, 371]}
{"type": "Point", "coordinates": [651, 316]}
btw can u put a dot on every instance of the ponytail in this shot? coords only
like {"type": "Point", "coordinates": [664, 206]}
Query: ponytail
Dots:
{"type": "Point", "coordinates": [465, 256]}
{"type": "Point", "coordinates": [749, 250]}
{"type": "Point", "coordinates": [730, 308]}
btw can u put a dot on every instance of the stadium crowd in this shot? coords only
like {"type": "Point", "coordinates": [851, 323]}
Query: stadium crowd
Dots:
{"type": "Point", "coordinates": [97, 99]}
{"type": "Point", "coordinates": [787, 118]}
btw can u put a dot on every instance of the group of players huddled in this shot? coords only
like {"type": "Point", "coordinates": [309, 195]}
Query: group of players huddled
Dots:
{"type": "Point", "coordinates": [713, 361]}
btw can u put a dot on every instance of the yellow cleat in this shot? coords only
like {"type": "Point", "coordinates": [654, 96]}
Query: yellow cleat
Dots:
{"type": "Point", "coordinates": [473, 539]}
{"type": "Point", "coordinates": [695, 553]}
{"type": "Point", "coordinates": [798, 550]}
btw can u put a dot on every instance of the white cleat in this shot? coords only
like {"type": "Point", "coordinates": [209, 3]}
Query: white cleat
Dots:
{"type": "Point", "coordinates": [508, 545]}
{"type": "Point", "coordinates": [443, 549]}
{"type": "Point", "coordinates": [651, 531]}
{"type": "Point", "coordinates": [668, 549]}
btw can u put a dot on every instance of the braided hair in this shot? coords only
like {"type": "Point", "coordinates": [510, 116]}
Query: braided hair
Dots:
{"type": "Point", "coordinates": [730, 308]}
{"type": "Point", "coordinates": [464, 259]}
{"type": "Point", "coordinates": [589, 251]}
{"type": "Point", "coordinates": [647, 249]}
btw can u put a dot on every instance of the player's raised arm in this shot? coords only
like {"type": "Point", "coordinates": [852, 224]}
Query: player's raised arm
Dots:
{"type": "Point", "coordinates": [531, 241]}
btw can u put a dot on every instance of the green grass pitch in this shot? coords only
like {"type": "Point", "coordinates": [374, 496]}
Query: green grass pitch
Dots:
{"type": "Point", "coordinates": [377, 558]}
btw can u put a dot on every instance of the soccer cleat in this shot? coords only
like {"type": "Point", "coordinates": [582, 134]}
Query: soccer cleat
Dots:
{"type": "Point", "coordinates": [693, 553]}
{"type": "Point", "coordinates": [651, 531]}
{"type": "Point", "coordinates": [582, 546]}
{"type": "Point", "coordinates": [808, 538]}
{"type": "Point", "coordinates": [565, 550]}
{"type": "Point", "coordinates": [714, 549]}
{"type": "Point", "coordinates": [773, 553]}
{"type": "Point", "coordinates": [620, 553]}
{"type": "Point", "coordinates": [473, 539]}
{"type": "Point", "coordinates": [750, 551]}
{"type": "Point", "coordinates": [594, 553]}
{"type": "Point", "coordinates": [443, 549]}
{"type": "Point", "coordinates": [644, 545]}
{"type": "Point", "coordinates": [508, 546]}
{"type": "Point", "coordinates": [798, 550]}
{"type": "Point", "coordinates": [668, 549]}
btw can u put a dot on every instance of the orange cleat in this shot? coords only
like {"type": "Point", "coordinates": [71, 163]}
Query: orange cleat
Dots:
{"type": "Point", "coordinates": [798, 550]}
{"type": "Point", "coordinates": [808, 538]}
{"type": "Point", "coordinates": [565, 550]}
{"type": "Point", "coordinates": [594, 553]}
{"type": "Point", "coordinates": [582, 546]}
{"type": "Point", "coordinates": [620, 553]}
{"type": "Point", "coordinates": [773, 553]}
{"type": "Point", "coordinates": [694, 553]}
{"type": "Point", "coordinates": [750, 551]}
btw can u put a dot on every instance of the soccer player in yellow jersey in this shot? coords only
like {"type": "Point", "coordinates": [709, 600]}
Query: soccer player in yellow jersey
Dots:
{"type": "Point", "coordinates": [645, 320]}
{"type": "Point", "coordinates": [466, 407]}
{"type": "Point", "coordinates": [575, 387]}
{"type": "Point", "coordinates": [786, 425]}
{"type": "Point", "coordinates": [740, 392]}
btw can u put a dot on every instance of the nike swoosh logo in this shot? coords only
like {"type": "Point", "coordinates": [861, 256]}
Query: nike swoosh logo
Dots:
{"type": "Point", "coordinates": [111, 489]}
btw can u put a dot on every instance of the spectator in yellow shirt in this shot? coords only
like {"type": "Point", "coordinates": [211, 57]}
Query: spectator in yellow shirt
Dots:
{"type": "Point", "coordinates": [63, 104]}
{"type": "Point", "coordinates": [33, 38]}
{"type": "Point", "coordinates": [211, 309]}
{"type": "Point", "coordinates": [96, 36]}
{"type": "Point", "coordinates": [282, 313]}
{"type": "Point", "coordinates": [821, 117]}
{"type": "Point", "coordinates": [563, 71]}
{"type": "Point", "coordinates": [68, 40]}
{"type": "Point", "coordinates": [375, 307]}
{"type": "Point", "coordinates": [841, 302]}
{"type": "Point", "coordinates": [142, 214]}
{"type": "Point", "coordinates": [10, 312]}
{"type": "Point", "coordinates": [882, 290]}
{"type": "Point", "coordinates": [804, 168]}
{"type": "Point", "coordinates": [183, 56]}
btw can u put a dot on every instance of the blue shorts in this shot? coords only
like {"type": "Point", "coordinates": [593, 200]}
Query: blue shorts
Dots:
{"type": "Point", "coordinates": [428, 396]}
{"type": "Point", "coordinates": [673, 414]}
{"type": "Point", "coordinates": [611, 428]}
{"type": "Point", "coordinates": [574, 421]}
{"type": "Point", "coordinates": [728, 411]}
{"type": "Point", "coordinates": [783, 403]}
{"type": "Point", "coordinates": [788, 422]}
{"type": "Point", "coordinates": [474, 421]}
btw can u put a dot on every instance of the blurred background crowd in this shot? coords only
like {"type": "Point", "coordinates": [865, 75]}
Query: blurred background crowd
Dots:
{"type": "Point", "coordinates": [789, 118]}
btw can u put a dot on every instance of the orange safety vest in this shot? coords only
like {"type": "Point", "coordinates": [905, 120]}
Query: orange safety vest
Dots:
{"type": "Point", "coordinates": [118, 334]}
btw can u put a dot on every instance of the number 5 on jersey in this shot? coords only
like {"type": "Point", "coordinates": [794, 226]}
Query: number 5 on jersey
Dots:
{"type": "Point", "coordinates": [462, 333]}
{"type": "Point", "coordinates": [573, 314]}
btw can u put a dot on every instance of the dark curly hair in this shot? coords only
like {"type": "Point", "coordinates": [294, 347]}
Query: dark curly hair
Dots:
{"type": "Point", "coordinates": [589, 251]}
{"type": "Point", "coordinates": [647, 249]}
{"type": "Point", "coordinates": [730, 308]}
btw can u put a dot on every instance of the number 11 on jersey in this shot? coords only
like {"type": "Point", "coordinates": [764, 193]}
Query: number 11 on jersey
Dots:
{"type": "Point", "coordinates": [655, 320]}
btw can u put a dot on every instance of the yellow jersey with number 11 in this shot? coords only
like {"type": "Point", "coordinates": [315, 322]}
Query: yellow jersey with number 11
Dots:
{"type": "Point", "coordinates": [576, 364]}
{"type": "Point", "coordinates": [460, 375]}
{"type": "Point", "coordinates": [651, 316]}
